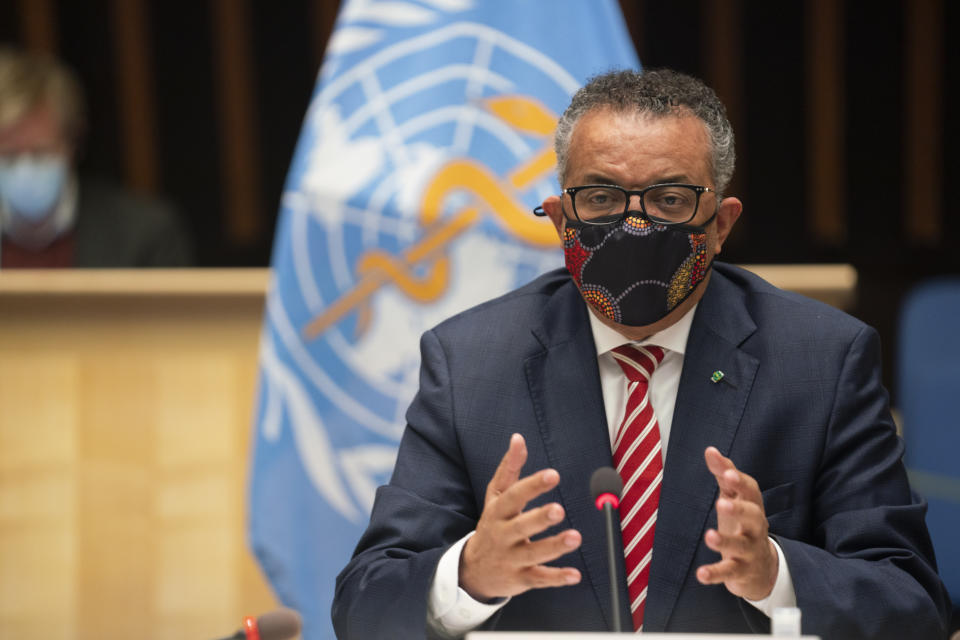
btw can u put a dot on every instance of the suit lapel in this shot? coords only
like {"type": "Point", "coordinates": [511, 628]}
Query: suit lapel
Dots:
{"type": "Point", "coordinates": [707, 413]}
{"type": "Point", "coordinates": [565, 388]}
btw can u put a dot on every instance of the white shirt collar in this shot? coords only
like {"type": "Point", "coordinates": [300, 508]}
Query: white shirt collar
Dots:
{"type": "Point", "coordinates": [673, 338]}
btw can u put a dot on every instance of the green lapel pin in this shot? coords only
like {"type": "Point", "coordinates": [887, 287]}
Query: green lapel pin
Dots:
{"type": "Point", "coordinates": [717, 376]}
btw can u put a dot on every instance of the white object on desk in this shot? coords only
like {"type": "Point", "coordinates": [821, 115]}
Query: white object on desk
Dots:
{"type": "Point", "coordinates": [574, 635]}
{"type": "Point", "coordinates": [785, 622]}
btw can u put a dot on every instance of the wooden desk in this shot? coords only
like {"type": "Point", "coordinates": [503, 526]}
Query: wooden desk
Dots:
{"type": "Point", "coordinates": [125, 417]}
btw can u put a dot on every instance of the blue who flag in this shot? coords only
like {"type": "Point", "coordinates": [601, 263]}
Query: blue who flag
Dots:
{"type": "Point", "coordinates": [426, 145]}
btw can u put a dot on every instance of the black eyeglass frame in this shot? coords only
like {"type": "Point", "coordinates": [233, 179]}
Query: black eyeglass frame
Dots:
{"type": "Point", "coordinates": [616, 218]}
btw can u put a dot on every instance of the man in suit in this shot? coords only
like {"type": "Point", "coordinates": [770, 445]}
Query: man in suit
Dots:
{"type": "Point", "coordinates": [760, 462]}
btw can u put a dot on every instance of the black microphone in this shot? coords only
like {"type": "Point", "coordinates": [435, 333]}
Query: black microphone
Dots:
{"type": "Point", "coordinates": [281, 624]}
{"type": "Point", "coordinates": [605, 487]}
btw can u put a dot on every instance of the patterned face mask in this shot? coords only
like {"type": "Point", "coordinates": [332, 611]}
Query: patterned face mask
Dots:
{"type": "Point", "coordinates": [635, 272]}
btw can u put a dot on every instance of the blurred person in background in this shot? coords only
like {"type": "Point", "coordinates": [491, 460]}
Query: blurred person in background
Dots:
{"type": "Point", "coordinates": [49, 217]}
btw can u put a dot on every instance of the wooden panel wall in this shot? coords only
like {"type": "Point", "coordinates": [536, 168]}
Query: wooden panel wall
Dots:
{"type": "Point", "coordinates": [38, 25]}
{"type": "Point", "coordinates": [825, 119]}
{"type": "Point", "coordinates": [723, 68]}
{"type": "Point", "coordinates": [124, 441]}
{"type": "Point", "coordinates": [924, 131]}
{"type": "Point", "coordinates": [135, 95]}
{"type": "Point", "coordinates": [235, 75]}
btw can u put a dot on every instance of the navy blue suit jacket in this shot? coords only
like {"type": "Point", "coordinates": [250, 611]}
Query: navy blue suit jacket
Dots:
{"type": "Point", "coordinates": [800, 408]}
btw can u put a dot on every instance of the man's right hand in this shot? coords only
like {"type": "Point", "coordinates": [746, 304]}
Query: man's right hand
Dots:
{"type": "Point", "coordinates": [499, 560]}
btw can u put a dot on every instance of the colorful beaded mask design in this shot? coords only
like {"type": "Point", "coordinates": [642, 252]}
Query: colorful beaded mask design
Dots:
{"type": "Point", "coordinates": [635, 272]}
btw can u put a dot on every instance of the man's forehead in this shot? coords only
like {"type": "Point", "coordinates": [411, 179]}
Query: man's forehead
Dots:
{"type": "Point", "coordinates": [678, 113]}
{"type": "Point", "coordinates": [671, 143]}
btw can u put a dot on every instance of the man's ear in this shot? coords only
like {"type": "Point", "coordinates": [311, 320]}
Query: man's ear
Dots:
{"type": "Point", "coordinates": [553, 207]}
{"type": "Point", "coordinates": [727, 215]}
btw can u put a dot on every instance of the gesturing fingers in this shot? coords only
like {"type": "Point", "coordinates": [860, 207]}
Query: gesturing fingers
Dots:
{"type": "Point", "coordinates": [540, 577]}
{"type": "Point", "coordinates": [532, 522]}
{"type": "Point", "coordinates": [512, 501]}
{"type": "Point", "coordinates": [718, 571]}
{"type": "Point", "coordinates": [743, 517]}
{"type": "Point", "coordinates": [508, 471]}
{"type": "Point", "coordinates": [751, 577]}
{"type": "Point", "coordinates": [723, 470]}
{"type": "Point", "coordinates": [741, 542]}
{"type": "Point", "coordinates": [500, 559]}
{"type": "Point", "coordinates": [537, 553]}
{"type": "Point", "coordinates": [748, 563]}
{"type": "Point", "coordinates": [731, 481]}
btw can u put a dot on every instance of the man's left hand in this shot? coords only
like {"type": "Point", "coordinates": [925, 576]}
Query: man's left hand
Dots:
{"type": "Point", "coordinates": [748, 562]}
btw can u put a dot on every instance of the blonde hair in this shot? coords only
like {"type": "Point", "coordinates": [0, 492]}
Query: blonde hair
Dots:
{"type": "Point", "coordinates": [28, 81]}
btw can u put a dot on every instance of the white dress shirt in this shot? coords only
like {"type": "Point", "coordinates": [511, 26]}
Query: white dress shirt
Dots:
{"type": "Point", "coordinates": [451, 611]}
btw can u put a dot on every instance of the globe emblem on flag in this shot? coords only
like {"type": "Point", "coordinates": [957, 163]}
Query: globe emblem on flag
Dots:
{"type": "Point", "coordinates": [409, 199]}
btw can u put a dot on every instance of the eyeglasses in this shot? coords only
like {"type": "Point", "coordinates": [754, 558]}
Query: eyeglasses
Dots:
{"type": "Point", "coordinates": [601, 204]}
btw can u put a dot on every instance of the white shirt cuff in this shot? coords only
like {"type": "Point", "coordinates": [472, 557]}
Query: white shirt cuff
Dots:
{"type": "Point", "coordinates": [451, 612]}
{"type": "Point", "coordinates": [783, 594]}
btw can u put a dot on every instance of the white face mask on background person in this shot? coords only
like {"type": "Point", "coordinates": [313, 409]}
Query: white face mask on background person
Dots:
{"type": "Point", "coordinates": [31, 186]}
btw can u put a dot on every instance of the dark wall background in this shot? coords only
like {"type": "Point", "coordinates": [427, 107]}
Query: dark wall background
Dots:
{"type": "Point", "coordinates": [842, 110]}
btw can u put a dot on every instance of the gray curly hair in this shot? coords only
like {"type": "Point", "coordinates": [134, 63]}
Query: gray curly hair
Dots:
{"type": "Point", "coordinates": [655, 92]}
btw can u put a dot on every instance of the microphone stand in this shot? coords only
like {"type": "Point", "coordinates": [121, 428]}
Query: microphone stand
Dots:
{"type": "Point", "coordinates": [612, 567]}
{"type": "Point", "coordinates": [605, 487]}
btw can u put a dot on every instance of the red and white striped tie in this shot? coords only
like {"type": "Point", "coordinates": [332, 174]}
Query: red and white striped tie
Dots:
{"type": "Point", "coordinates": [636, 453]}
